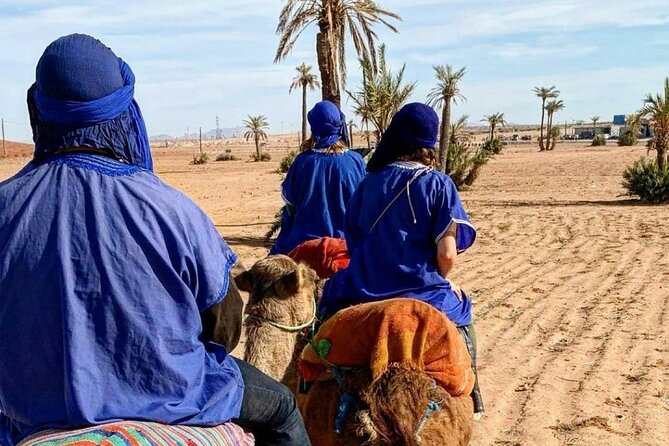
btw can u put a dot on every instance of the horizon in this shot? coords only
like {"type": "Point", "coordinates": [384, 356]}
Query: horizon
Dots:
{"type": "Point", "coordinates": [195, 62]}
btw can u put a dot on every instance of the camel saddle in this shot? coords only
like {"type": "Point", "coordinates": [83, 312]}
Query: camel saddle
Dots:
{"type": "Point", "coordinates": [143, 433]}
{"type": "Point", "coordinates": [374, 335]}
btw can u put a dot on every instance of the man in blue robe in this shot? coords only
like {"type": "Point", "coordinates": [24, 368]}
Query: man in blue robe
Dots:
{"type": "Point", "coordinates": [105, 271]}
{"type": "Point", "coordinates": [320, 182]}
{"type": "Point", "coordinates": [405, 226]}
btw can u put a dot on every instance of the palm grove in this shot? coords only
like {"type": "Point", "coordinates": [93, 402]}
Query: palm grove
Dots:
{"type": "Point", "coordinates": [382, 92]}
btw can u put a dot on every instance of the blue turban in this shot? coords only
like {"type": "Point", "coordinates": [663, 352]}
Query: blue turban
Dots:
{"type": "Point", "coordinates": [328, 125]}
{"type": "Point", "coordinates": [414, 127]}
{"type": "Point", "coordinates": [83, 97]}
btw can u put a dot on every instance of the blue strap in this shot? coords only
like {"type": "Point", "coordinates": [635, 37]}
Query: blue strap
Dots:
{"type": "Point", "coordinates": [346, 402]}
{"type": "Point", "coordinates": [432, 406]}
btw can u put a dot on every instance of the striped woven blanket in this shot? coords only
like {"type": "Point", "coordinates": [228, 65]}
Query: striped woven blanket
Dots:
{"type": "Point", "coordinates": [131, 433]}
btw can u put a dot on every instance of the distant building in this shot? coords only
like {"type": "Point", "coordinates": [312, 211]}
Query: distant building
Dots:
{"type": "Point", "coordinates": [586, 131]}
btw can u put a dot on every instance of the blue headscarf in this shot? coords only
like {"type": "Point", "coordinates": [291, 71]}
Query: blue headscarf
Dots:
{"type": "Point", "coordinates": [328, 125]}
{"type": "Point", "coordinates": [414, 127]}
{"type": "Point", "coordinates": [84, 97]}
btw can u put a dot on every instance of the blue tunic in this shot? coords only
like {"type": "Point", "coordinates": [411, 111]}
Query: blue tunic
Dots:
{"type": "Point", "coordinates": [392, 233]}
{"type": "Point", "coordinates": [316, 190]}
{"type": "Point", "coordinates": [104, 271]}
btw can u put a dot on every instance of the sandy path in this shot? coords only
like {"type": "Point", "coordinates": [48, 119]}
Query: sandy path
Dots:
{"type": "Point", "coordinates": [570, 279]}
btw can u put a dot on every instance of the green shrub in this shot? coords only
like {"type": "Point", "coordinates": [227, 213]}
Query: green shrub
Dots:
{"type": "Point", "coordinates": [493, 145]}
{"type": "Point", "coordinates": [465, 163]}
{"type": "Point", "coordinates": [286, 162]}
{"type": "Point", "coordinates": [628, 138]}
{"type": "Point", "coordinates": [227, 156]}
{"type": "Point", "coordinates": [599, 140]}
{"type": "Point", "coordinates": [264, 156]}
{"type": "Point", "coordinates": [644, 179]}
{"type": "Point", "coordinates": [200, 158]}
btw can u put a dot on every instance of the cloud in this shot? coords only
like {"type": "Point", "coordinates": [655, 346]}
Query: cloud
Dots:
{"type": "Point", "coordinates": [196, 60]}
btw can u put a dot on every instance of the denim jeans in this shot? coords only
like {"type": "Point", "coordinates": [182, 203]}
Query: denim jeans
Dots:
{"type": "Point", "coordinates": [269, 410]}
{"type": "Point", "coordinates": [469, 336]}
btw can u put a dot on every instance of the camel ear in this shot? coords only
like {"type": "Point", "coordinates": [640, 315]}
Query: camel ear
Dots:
{"type": "Point", "coordinates": [291, 283]}
{"type": "Point", "coordinates": [244, 281]}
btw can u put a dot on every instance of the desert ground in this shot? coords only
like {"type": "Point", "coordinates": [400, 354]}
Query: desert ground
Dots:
{"type": "Point", "coordinates": [570, 280]}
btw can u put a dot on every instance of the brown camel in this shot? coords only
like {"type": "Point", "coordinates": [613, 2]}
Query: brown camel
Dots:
{"type": "Point", "coordinates": [393, 410]}
{"type": "Point", "coordinates": [281, 306]}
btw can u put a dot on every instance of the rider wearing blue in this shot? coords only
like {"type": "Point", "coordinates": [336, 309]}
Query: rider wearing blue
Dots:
{"type": "Point", "coordinates": [320, 182]}
{"type": "Point", "coordinates": [105, 271]}
{"type": "Point", "coordinates": [397, 221]}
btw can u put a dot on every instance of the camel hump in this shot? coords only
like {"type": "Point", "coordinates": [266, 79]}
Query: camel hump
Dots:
{"type": "Point", "coordinates": [404, 331]}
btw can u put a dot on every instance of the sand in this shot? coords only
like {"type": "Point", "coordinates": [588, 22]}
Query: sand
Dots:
{"type": "Point", "coordinates": [570, 280]}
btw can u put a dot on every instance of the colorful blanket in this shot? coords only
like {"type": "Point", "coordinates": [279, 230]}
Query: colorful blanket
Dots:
{"type": "Point", "coordinates": [134, 433]}
{"type": "Point", "coordinates": [324, 255]}
{"type": "Point", "coordinates": [397, 330]}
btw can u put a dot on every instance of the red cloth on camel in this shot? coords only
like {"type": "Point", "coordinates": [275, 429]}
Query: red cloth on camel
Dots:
{"type": "Point", "coordinates": [324, 255]}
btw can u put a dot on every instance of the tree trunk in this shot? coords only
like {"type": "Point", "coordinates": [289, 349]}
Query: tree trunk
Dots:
{"type": "Point", "coordinates": [443, 137]}
{"type": "Point", "coordinates": [304, 113]}
{"type": "Point", "coordinates": [257, 146]}
{"type": "Point", "coordinates": [661, 148]}
{"type": "Point", "coordinates": [492, 132]}
{"type": "Point", "coordinates": [350, 135]}
{"type": "Point", "coordinates": [541, 134]}
{"type": "Point", "coordinates": [328, 70]}
{"type": "Point", "coordinates": [549, 128]}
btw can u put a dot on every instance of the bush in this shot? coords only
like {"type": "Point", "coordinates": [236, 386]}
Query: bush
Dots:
{"type": "Point", "coordinates": [200, 158]}
{"type": "Point", "coordinates": [227, 156]}
{"type": "Point", "coordinates": [465, 163]}
{"type": "Point", "coordinates": [286, 162]}
{"type": "Point", "coordinates": [494, 146]}
{"type": "Point", "coordinates": [628, 139]}
{"type": "Point", "coordinates": [264, 156]}
{"type": "Point", "coordinates": [599, 140]}
{"type": "Point", "coordinates": [647, 181]}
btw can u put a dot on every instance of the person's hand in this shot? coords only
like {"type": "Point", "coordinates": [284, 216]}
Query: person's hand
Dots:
{"type": "Point", "coordinates": [456, 289]}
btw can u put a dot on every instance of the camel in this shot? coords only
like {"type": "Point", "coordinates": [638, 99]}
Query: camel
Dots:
{"type": "Point", "coordinates": [404, 406]}
{"type": "Point", "coordinates": [281, 306]}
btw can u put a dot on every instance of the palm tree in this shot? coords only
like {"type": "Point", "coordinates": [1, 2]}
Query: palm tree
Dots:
{"type": "Point", "coordinates": [335, 19]}
{"type": "Point", "coordinates": [382, 94]}
{"type": "Point", "coordinates": [656, 110]}
{"type": "Point", "coordinates": [544, 93]}
{"type": "Point", "coordinates": [494, 120]}
{"type": "Point", "coordinates": [351, 125]}
{"type": "Point", "coordinates": [458, 133]}
{"type": "Point", "coordinates": [305, 80]}
{"type": "Point", "coordinates": [440, 97]}
{"type": "Point", "coordinates": [595, 120]}
{"type": "Point", "coordinates": [552, 107]}
{"type": "Point", "coordinates": [256, 126]}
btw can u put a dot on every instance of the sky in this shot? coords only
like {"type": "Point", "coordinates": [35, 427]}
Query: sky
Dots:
{"type": "Point", "coordinates": [199, 59]}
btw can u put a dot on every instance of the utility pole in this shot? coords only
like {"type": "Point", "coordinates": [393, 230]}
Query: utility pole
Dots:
{"type": "Point", "coordinates": [200, 139]}
{"type": "Point", "coordinates": [4, 147]}
{"type": "Point", "coordinates": [218, 129]}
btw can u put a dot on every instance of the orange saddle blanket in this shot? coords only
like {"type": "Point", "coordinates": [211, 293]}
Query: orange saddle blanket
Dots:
{"type": "Point", "coordinates": [400, 330]}
{"type": "Point", "coordinates": [324, 255]}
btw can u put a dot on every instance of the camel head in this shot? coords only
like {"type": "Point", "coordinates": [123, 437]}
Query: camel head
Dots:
{"type": "Point", "coordinates": [280, 290]}
{"type": "Point", "coordinates": [282, 302]}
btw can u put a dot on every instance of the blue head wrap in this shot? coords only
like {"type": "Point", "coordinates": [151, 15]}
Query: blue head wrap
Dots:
{"type": "Point", "coordinates": [414, 127]}
{"type": "Point", "coordinates": [84, 97]}
{"type": "Point", "coordinates": [328, 125]}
